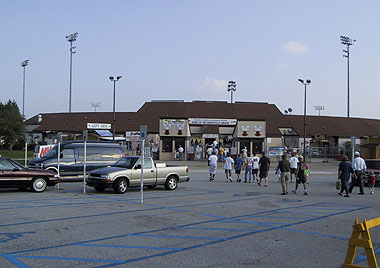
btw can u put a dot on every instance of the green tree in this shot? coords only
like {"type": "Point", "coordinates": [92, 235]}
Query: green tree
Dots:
{"type": "Point", "coordinates": [11, 124]}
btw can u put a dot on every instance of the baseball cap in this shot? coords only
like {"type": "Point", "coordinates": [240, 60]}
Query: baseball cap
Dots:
{"type": "Point", "coordinates": [357, 154]}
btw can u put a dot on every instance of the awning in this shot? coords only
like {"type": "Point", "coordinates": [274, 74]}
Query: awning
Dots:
{"type": "Point", "coordinates": [104, 133]}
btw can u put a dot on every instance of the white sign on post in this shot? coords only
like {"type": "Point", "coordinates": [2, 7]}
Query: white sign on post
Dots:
{"type": "Point", "coordinates": [98, 126]}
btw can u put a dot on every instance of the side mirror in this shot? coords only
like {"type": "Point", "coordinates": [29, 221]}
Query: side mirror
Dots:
{"type": "Point", "coordinates": [61, 155]}
{"type": "Point", "coordinates": [16, 169]}
{"type": "Point", "coordinates": [138, 167]}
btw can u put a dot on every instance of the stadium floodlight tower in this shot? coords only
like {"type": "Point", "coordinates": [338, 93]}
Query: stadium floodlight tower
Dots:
{"type": "Point", "coordinates": [232, 88]}
{"type": "Point", "coordinates": [347, 42]}
{"type": "Point", "coordinates": [71, 38]}
{"type": "Point", "coordinates": [23, 65]}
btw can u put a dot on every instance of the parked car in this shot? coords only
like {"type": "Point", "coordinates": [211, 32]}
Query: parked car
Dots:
{"type": "Point", "coordinates": [71, 161]}
{"type": "Point", "coordinates": [127, 173]}
{"type": "Point", "coordinates": [372, 165]}
{"type": "Point", "coordinates": [14, 175]}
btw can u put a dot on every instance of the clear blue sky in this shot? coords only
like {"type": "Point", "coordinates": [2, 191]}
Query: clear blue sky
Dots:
{"type": "Point", "coordinates": [188, 50]}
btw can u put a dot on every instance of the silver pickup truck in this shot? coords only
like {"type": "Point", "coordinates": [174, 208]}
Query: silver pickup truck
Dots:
{"type": "Point", "coordinates": [126, 172]}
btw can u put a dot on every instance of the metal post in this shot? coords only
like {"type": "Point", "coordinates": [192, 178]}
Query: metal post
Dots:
{"type": "Point", "coordinates": [304, 127]}
{"type": "Point", "coordinates": [58, 161]}
{"type": "Point", "coordinates": [114, 118]}
{"type": "Point", "coordinates": [26, 153]}
{"type": "Point", "coordinates": [84, 167]}
{"type": "Point", "coordinates": [23, 94]}
{"type": "Point", "coordinates": [348, 81]}
{"type": "Point", "coordinates": [142, 173]}
{"type": "Point", "coordinates": [71, 74]}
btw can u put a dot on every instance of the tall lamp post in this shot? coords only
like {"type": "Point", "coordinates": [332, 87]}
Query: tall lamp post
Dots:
{"type": "Point", "coordinates": [71, 38]}
{"type": "Point", "coordinates": [114, 91]}
{"type": "Point", "coordinates": [319, 108]}
{"type": "Point", "coordinates": [232, 88]}
{"type": "Point", "coordinates": [305, 83]}
{"type": "Point", "coordinates": [23, 65]}
{"type": "Point", "coordinates": [344, 40]}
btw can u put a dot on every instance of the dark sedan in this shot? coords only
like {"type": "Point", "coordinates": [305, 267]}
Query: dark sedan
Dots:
{"type": "Point", "coordinates": [14, 175]}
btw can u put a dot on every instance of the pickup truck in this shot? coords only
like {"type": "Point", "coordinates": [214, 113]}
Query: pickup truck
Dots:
{"type": "Point", "coordinates": [126, 172]}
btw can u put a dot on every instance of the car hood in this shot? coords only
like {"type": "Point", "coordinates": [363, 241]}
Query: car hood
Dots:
{"type": "Point", "coordinates": [106, 170]}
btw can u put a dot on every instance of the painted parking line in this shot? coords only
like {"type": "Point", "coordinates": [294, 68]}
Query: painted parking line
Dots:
{"type": "Point", "coordinates": [125, 246]}
{"type": "Point", "coordinates": [215, 219]}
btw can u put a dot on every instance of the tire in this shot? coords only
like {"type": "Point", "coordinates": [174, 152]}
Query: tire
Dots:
{"type": "Point", "coordinates": [99, 188]}
{"type": "Point", "coordinates": [171, 183]}
{"type": "Point", "coordinates": [120, 186]}
{"type": "Point", "coordinates": [39, 184]}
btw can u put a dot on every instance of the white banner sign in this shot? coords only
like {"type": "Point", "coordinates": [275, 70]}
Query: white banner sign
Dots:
{"type": "Point", "coordinates": [132, 136]}
{"type": "Point", "coordinates": [98, 126]}
{"type": "Point", "coordinates": [211, 121]}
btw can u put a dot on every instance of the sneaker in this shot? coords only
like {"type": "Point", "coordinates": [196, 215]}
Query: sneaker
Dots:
{"type": "Point", "coordinates": [210, 179]}
{"type": "Point", "coordinates": [361, 193]}
{"type": "Point", "coordinates": [347, 195]}
{"type": "Point", "coordinates": [291, 181]}
{"type": "Point", "coordinates": [245, 181]}
{"type": "Point", "coordinates": [305, 193]}
{"type": "Point", "coordinates": [283, 194]}
{"type": "Point", "coordinates": [230, 180]}
{"type": "Point", "coordinates": [265, 185]}
{"type": "Point", "coordinates": [258, 184]}
{"type": "Point", "coordinates": [294, 191]}
{"type": "Point", "coordinates": [341, 194]}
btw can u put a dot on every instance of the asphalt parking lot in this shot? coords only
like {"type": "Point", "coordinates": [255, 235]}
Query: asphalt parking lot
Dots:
{"type": "Point", "coordinates": [200, 224]}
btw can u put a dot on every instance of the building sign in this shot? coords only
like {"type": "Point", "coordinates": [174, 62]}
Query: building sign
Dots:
{"type": "Point", "coordinates": [211, 121]}
{"type": "Point", "coordinates": [132, 136]}
{"type": "Point", "coordinates": [98, 126]}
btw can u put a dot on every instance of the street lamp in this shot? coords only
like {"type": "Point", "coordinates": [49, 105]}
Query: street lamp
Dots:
{"type": "Point", "coordinates": [95, 105]}
{"type": "Point", "coordinates": [344, 40]}
{"type": "Point", "coordinates": [305, 83]}
{"type": "Point", "coordinates": [319, 108]}
{"type": "Point", "coordinates": [23, 65]}
{"type": "Point", "coordinates": [232, 88]}
{"type": "Point", "coordinates": [71, 38]}
{"type": "Point", "coordinates": [114, 90]}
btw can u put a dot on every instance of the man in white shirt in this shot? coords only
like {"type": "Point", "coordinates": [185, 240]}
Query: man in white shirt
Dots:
{"type": "Point", "coordinates": [180, 151]}
{"type": "Point", "coordinates": [255, 168]}
{"type": "Point", "coordinates": [228, 161]}
{"type": "Point", "coordinates": [213, 163]}
{"type": "Point", "coordinates": [359, 167]}
{"type": "Point", "coordinates": [293, 166]}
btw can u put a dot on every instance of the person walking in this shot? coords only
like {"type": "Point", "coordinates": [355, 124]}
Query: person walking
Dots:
{"type": "Point", "coordinates": [255, 167]}
{"type": "Point", "coordinates": [228, 162]}
{"type": "Point", "coordinates": [344, 171]}
{"type": "Point", "coordinates": [213, 164]}
{"type": "Point", "coordinates": [264, 165]}
{"type": "Point", "coordinates": [238, 165]}
{"type": "Point", "coordinates": [180, 152]}
{"type": "Point", "coordinates": [293, 166]}
{"type": "Point", "coordinates": [284, 167]}
{"type": "Point", "coordinates": [248, 162]}
{"type": "Point", "coordinates": [359, 167]}
{"type": "Point", "coordinates": [371, 182]}
{"type": "Point", "coordinates": [301, 178]}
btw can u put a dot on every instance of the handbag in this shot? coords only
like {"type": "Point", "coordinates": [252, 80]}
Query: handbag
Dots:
{"type": "Point", "coordinates": [338, 184]}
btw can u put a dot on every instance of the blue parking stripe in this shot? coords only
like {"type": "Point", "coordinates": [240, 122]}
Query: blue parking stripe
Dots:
{"type": "Point", "coordinates": [123, 246]}
{"type": "Point", "coordinates": [68, 259]}
{"type": "Point", "coordinates": [180, 236]}
{"type": "Point", "coordinates": [215, 229]}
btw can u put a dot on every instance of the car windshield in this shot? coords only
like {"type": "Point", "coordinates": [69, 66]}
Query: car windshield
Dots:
{"type": "Point", "coordinates": [372, 164]}
{"type": "Point", "coordinates": [126, 162]}
{"type": "Point", "coordinates": [52, 153]}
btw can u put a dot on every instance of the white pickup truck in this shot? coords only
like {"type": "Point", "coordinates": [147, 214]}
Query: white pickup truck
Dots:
{"type": "Point", "coordinates": [126, 172]}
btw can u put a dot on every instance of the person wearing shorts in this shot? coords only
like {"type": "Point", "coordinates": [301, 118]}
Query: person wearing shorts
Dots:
{"type": "Point", "coordinates": [238, 165]}
{"type": "Point", "coordinates": [255, 168]}
{"type": "Point", "coordinates": [264, 165]}
{"type": "Point", "coordinates": [228, 162]}
{"type": "Point", "coordinates": [301, 175]}
{"type": "Point", "coordinates": [293, 166]}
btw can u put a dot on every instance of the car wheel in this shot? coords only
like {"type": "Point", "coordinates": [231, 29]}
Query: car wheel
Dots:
{"type": "Point", "coordinates": [39, 184]}
{"type": "Point", "coordinates": [99, 189]}
{"type": "Point", "coordinates": [171, 183]}
{"type": "Point", "coordinates": [120, 186]}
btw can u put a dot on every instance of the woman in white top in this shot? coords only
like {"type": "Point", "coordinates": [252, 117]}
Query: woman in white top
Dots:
{"type": "Point", "coordinates": [213, 162]}
{"type": "Point", "coordinates": [228, 161]}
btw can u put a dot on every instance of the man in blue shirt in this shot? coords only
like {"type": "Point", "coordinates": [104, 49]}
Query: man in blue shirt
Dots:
{"type": "Point", "coordinates": [238, 165]}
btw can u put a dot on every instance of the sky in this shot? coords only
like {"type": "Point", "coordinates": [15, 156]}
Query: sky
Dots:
{"type": "Point", "coordinates": [189, 50]}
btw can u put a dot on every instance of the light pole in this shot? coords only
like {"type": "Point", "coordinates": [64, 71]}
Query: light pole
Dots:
{"type": "Point", "coordinates": [114, 91]}
{"type": "Point", "coordinates": [344, 40]}
{"type": "Point", "coordinates": [95, 105]}
{"type": "Point", "coordinates": [232, 88]}
{"type": "Point", "coordinates": [23, 65]}
{"type": "Point", "coordinates": [305, 83]}
{"type": "Point", "coordinates": [319, 108]}
{"type": "Point", "coordinates": [71, 38]}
